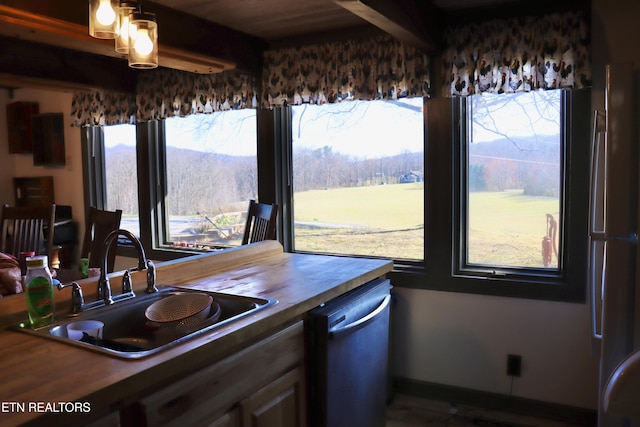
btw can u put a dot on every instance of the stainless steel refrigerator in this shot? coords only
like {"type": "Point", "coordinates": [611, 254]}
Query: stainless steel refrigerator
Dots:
{"type": "Point", "coordinates": [614, 256]}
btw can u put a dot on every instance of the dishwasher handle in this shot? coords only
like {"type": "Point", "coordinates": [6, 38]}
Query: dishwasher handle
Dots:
{"type": "Point", "coordinates": [362, 322]}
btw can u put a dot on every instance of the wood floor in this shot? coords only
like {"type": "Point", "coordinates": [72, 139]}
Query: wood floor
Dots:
{"type": "Point", "coordinates": [409, 411]}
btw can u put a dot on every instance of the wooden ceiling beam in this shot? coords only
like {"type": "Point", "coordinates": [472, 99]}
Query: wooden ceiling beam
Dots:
{"type": "Point", "coordinates": [416, 22]}
{"type": "Point", "coordinates": [185, 42]}
{"type": "Point", "coordinates": [25, 63]}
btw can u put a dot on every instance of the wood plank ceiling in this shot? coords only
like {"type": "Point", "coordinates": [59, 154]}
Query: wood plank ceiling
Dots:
{"type": "Point", "coordinates": [274, 20]}
{"type": "Point", "coordinates": [212, 35]}
{"type": "Point", "coordinates": [271, 19]}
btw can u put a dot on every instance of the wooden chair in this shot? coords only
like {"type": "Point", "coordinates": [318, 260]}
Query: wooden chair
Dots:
{"type": "Point", "coordinates": [261, 222]}
{"type": "Point", "coordinates": [29, 229]}
{"type": "Point", "coordinates": [98, 225]}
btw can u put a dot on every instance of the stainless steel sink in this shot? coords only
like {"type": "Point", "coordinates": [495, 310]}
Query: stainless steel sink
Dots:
{"type": "Point", "coordinates": [127, 333]}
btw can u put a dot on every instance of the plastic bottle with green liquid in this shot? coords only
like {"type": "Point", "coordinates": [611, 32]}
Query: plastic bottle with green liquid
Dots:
{"type": "Point", "coordinates": [39, 291]}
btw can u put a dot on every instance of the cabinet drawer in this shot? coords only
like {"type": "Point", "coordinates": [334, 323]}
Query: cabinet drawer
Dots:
{"type": "Point", "coordinates": [203, 396]}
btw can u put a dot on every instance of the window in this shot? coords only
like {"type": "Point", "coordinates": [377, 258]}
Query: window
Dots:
{"type": "Point", "coordinates": [493, 218]}
{"type": "Point", "coordinates": [121, 174]}
{"type": "Point", "coordinates": [513, 187]}
{"type": "Point", "coordinates": [358, 178]}
{"type": "Point", "coordinates": [190, 192]}
{"type": "Point", "coordinates": [210, 176]}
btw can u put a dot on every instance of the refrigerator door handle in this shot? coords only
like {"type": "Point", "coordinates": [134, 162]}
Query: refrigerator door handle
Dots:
{"type": "Point", "coordinates": [597, 232]}
{"type": "Point", "coordinates": [596, 290]}
{"type": "Point", "coordinates": [598, 165]}
{"type": "Point", "coordinates": [362, 322]}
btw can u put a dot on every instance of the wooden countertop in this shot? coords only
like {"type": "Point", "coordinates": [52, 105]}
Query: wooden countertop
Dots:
{"type": "Point", "coordinates": [37, 371]}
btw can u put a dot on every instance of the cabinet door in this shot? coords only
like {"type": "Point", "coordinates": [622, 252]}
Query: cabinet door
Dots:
{"type": "Point", "coordinates": [19, 126]}
{"type": "Point", "coordinates": [230, 419]}
{"type": "Point", "coordinates": [205, 395]}
{"type": "Point", "coordinates": [47, 136]}
{"type": "Point", "coordinates": [279, 404]}
{"type": "Point", "coordinates": [110, 420]}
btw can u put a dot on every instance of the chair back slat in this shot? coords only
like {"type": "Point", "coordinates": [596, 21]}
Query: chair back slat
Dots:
{"type": "Point", "coordinates": [28, 229]}
{"type": "Point", "coordinates": [261, 222]}
{"type": "Point", "coordinates": [28, 235]}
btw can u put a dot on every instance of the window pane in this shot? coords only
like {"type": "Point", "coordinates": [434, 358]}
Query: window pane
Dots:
{"type": "Point", "coordinates": [122, 174]}
{"type": "Point", "coordinates": [211, 176]}
{"type": "Point", "coordinates": [358, 170]}
{"type": "Point", "coordinates": [514, 173]}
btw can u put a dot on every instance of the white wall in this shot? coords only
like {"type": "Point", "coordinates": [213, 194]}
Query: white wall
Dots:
{"type": "Point", "coordinates": [67, 179]}
{"type": "Point", "coordinates": [462, 340]}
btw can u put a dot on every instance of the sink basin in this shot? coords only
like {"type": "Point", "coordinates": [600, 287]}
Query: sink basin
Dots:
{"type": "Point", "coordinates": [128, 334]}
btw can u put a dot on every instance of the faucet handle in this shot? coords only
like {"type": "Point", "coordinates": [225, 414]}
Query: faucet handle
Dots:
{"type": "Point", "coordinates": [127, 287]}
{"type": "Point", "coordinates": [151, 277]}
{"type": "Point", "coordinates": [77, 300]}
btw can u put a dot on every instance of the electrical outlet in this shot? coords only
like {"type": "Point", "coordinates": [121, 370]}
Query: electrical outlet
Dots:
{"type": "Point", "coordinates": [514, 365]}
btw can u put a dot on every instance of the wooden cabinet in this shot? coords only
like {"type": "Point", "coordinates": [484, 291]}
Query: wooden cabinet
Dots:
{"type": "Point", "coordinates": [33, 191]}
{"type": "Point", "coordinates": [40, 134]}
{"type": "Point", "coordinates": [47, 136]}
{"type": "Point", "coordinates": [110, 420]}
{"type": "Point", "coordinates": [280, 403]}
{"type": "Point", "coordinates": [261, 385]}
{"type": "Point", "coordinates": [19, 126]}
{"type": "Point", "coordinates": [230, 419]}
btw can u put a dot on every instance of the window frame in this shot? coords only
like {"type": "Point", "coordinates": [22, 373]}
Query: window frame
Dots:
{"type": "Point", "coordinates": [438, 270]}
{"type": "Point", "coordinates": [156, 158]}
{"type": "Point", "coordinates": [444, 123]}
{"type": "Point", "coordinates": [461, 209]}
{"type": "Point", "coordinates": [400, 264]}
{"type": "Point", "coordinates": [151, 155]}
{"type": "Point", "coordinates": [93, 167]}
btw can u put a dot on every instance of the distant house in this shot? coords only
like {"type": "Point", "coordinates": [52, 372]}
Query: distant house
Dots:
{"type": "Point", "coordinates": [411, 177]}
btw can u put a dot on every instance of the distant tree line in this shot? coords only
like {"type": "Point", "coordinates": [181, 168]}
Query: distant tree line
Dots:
{"type": "Point", "coordinates": [533, 166]}
{"type": "Point", "coordinates": [208, 183]}
{"type": "Point", "coordinates": [323, 168]}
{"type": "Point", "coordinates": [122, 180]}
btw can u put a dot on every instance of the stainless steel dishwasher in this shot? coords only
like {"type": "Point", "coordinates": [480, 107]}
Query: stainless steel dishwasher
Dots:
{"type": "Point", "coordinates": [348, 346]}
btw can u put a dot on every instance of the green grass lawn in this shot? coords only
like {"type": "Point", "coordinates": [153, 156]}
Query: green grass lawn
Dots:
{"type": "Point", "coordinates": [387, 207]}
{"type": "Point", "coordinates": [387, 220]}
{"type": "Point", "coordinates": [506, 228]}
{"type": "Point", "coordinates": [381, 220]}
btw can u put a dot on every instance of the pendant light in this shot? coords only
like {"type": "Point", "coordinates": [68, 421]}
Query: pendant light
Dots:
{"type": "Point", "coordinates": [143, 40]}
{"type": "Point", "coordinates": [102, 18]}
{"type": "Point", "coordinates": [125, 10]}
{"type": "Point", "coordinates": [135, 32]}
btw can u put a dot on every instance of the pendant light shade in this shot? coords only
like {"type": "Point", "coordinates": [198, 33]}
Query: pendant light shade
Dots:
{"type": "Point", "coordinates": [102, 18]}
{"type": "Point", "coordinates": [143, 40]}
{"type": "Point", "coordinates": [125, 10]}
{"type": "Point", "coordinates": [135, 32]}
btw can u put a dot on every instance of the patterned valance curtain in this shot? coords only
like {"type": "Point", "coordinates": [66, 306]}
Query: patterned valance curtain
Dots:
{"type": "Point", "coordinates": [518, 54]}
{"type": "Point", "coordinates": [166, 93]}
{"type": "Point", "coordinates": [102, 107]}
{"type": "Point", "coordinates": [375, 68]}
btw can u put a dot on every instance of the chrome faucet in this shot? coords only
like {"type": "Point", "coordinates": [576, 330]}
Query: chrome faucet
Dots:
{"type": "Point", "coordinates": [104, 287]}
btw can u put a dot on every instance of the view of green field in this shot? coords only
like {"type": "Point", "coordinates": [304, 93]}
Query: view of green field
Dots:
{"type": "Point", "coordinates": [380, 220]}
{"type": "Point", "coordinates": [386, 220]}
{"type": "Point", "coordinates": [507, 227]}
